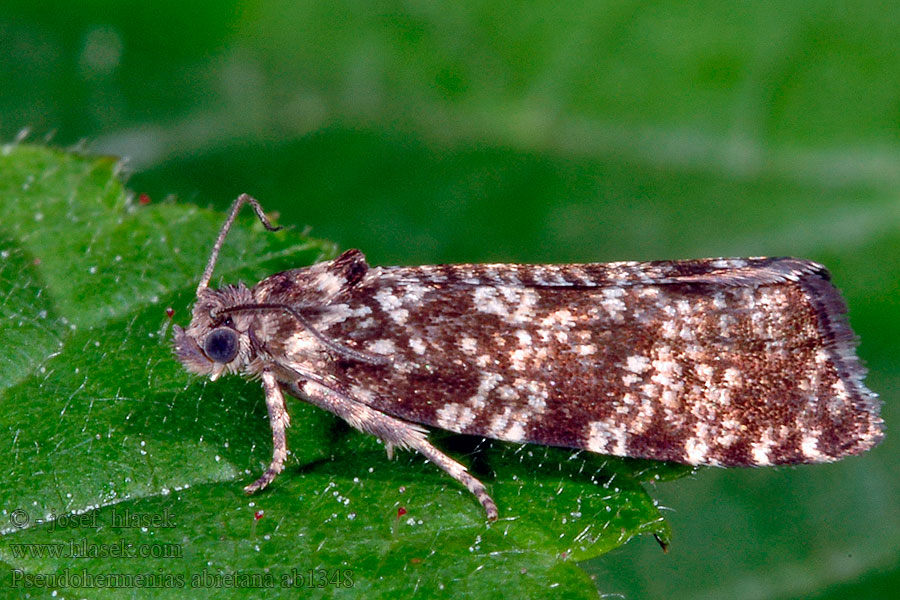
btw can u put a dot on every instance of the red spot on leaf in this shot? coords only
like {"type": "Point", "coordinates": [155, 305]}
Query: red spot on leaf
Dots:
{"type": "Point", "coordinates": [144, 199]}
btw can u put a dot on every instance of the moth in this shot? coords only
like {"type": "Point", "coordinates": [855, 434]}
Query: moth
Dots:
{"type": "Point", "coordinates": [724, 361]}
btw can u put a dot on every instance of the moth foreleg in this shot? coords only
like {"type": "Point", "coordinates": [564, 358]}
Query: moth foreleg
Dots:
{"type": "Point", "coordinates": [394, 432]}
{"type": "Point", "coordinates": [279, 420]}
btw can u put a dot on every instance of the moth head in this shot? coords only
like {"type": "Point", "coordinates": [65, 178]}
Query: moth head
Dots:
{"type": "Point", "coordinates": [217, 341]}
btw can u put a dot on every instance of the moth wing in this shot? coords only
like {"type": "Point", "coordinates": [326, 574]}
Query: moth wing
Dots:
{"type": "Point", "coordinates": [719, 361]}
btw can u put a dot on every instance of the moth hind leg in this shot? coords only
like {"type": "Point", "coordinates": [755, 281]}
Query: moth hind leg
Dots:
{"type": "Point", "coordinates": [279, 420]}
{"type": "Point", "coordinates": [459, 473]}
{"type": "Point", "coordinates": [394, 433]}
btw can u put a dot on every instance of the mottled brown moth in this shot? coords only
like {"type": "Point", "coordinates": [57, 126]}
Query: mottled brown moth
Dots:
{"type": "Point", "coordinates": [725, 361]}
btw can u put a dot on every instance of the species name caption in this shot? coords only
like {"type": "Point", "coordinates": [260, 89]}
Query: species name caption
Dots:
{"type": "Point", "coordinates": [721, 361]}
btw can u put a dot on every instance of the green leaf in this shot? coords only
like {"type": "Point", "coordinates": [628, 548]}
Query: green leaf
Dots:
{"type": "Point", "coordinates": [102, 427]}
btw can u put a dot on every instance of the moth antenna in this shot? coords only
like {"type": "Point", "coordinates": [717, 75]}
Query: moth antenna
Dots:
{"type": "Point", "coordinates": [336, 347]}
{"type": "Point", "coordinates": [232, 214]}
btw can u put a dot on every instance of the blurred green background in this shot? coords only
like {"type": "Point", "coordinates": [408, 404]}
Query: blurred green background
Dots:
{"type": "Point", "coordinates": [538, 131]}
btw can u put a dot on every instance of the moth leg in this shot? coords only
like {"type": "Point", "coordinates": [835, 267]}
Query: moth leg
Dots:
{"type": "Point", "coordinates": [394, 432]}
{"type": "Point", "coordinates": [457, 472]}
{"type": "Point", "coordinates": [279, 420]}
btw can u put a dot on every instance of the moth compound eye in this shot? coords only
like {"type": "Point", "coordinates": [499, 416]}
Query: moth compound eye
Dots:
{"type": "Point", "coordinates": [221, 345]}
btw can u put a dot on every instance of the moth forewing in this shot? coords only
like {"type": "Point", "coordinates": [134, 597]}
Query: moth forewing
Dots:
{"type": "Point", "coordinates": [717, 361]}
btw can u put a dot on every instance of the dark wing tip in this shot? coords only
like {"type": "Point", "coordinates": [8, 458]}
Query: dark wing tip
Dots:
{"type": "Point", "coordinates": [840, 343]}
